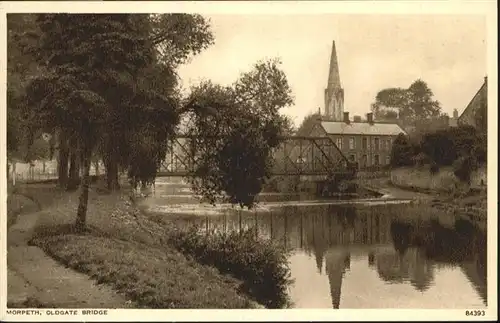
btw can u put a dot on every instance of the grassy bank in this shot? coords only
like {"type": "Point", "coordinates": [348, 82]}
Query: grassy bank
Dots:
{"type": "Point", "coordinates": [152, 277]}
{"type": "Point", "coordinates": [18, 204]}
{"type": "Point", "coordinates": [470, 203]}
{"type": "Point", "coordinates": [124, 249]}
{"type": "Point", "coordinates": [27, 198]}
{"type": "Point", "coordinates": [261, 265]}
{"type": "Point", "coordinates": [464, 203]}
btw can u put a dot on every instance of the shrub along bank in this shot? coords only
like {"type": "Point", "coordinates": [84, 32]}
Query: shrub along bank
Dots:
{"type": "Point", "coordinates": [462, 148]}
{"type": "Point", "coordinates": [261, 265]}
{"type": "Point", "coordinates": [450, 162]}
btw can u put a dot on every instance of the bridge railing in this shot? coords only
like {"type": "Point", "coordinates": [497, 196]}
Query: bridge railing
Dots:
{"type": "Point", "coordinates": [309, 156]}
{"type": "Point", "coordinates": [294, 156]}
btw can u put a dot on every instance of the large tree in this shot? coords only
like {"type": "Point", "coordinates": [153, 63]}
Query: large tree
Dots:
{"type": "Point", "coordinates": [175, 39]}
{"type": "Point", "coordinates": [308, 123]}
{"type": "Point", "coordinates": [91, 93]}
{"type": "Point", "coordinates": [410, 106]}
{"type": "Point", "coordinates": [235, 130]}
{"type": "Point", "coordinates": [21, 67]}
{"type": "Point", "coordinates": [172, 38]}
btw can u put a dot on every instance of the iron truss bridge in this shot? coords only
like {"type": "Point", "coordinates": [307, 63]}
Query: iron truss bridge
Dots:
{"type": "Point", "coordinates": [296, 156]}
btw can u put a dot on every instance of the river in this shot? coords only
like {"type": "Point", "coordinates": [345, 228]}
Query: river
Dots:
{"type": "Point", "coordinates": [355, 253]}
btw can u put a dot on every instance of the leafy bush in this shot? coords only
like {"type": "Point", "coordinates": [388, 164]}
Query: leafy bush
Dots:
{"type": "Point", "coordinates": [261, 265]}
{"type": "Point", "coordinates": [463, 147]}
{"type": "Point", "coordinates": [463, 168]}
{"type": "Point", "coordinates": [402, 152]}
{"type": "Point", "coordinates": [434, 168]}
{"type": "Point", "coordinates": [440, 147]}
{"type": "Point", "coordinates": [446, 146]}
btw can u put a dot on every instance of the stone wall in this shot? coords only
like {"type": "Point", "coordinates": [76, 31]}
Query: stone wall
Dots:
{"type": "Point", "coordinates": [443, 181]}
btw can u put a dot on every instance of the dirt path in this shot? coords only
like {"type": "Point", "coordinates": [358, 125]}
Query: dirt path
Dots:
{"type": "Point", "coordinates": [36, 280]}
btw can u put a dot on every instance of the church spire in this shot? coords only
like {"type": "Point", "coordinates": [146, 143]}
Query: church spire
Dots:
{"type": "Point", "coordinates": [334, 94]}
{"type": "Point", "coordinates": [333, 76]}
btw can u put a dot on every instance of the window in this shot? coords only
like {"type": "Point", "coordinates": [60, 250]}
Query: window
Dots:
{"type": "Point", "coordinates": [377, 144]}
{"type": "Point", "coordinates": [387, 160]}
{"type": "Point", "coordinates": [376, 160]}
{"type": "Point", "coordinates": [351, 143]}
{"type": "Point", "coordinates": [364, 161]}
{"type": "Point", "coordinates": [387, 144]}
{"type": "Point", "coordinates": [352, 158]}
{"type": "Point", "coordinates": [339, 143]}
{"type": "Point", "coordinates": [364, 143]}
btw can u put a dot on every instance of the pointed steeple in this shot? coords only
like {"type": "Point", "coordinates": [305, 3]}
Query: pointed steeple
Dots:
{"type": "Point", "coordinates": [334, 94]}
{"type": "Point", "coordinates": [333, 76]}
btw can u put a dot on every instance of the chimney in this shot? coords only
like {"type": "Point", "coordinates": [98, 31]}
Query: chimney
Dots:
{"type": "Point", "coordinates": [455, 114]}
{"type": "Point", "coordinates": [369, 117]}
{"type": "Point", "coordinates": [356, 118]}
{"type": "Point", "coordinates": [346, 117]}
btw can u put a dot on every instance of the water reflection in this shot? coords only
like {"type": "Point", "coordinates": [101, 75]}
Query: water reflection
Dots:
{"type": "Point", "coordinates": [365, 254]}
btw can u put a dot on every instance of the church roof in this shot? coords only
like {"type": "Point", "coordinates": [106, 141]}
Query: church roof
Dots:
{"type": "Point", "coordinates": [361, 128]}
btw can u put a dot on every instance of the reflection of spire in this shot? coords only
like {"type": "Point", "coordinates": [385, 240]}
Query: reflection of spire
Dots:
{"type": "Point", "coordinates": [336, 265]}
{"type": "Point", "coordinates": [319, 245]}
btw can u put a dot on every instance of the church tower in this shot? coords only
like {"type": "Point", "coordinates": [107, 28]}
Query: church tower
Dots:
{"type": "Point", "coordinates": [334, 93]}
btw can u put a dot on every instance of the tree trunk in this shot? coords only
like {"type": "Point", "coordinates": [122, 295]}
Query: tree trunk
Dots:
{"type": "Point", "coordinates": [74, 171]}
{"type": "Point", "coordinates": [96, 165]}
{"type": "Point", "coordinates": [62, 160]}
{"type": "Point", "coordinates": [14, 173]}
{"type": "Point", "coordinates": [81, 216]}
{"type": "Point", "coordinates": [112, 172]}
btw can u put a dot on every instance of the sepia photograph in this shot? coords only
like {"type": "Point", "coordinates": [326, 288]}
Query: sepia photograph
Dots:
{"type": "Point", "coordinates": [160, 159]}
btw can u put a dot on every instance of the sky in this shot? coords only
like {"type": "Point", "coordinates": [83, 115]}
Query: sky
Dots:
{"type": "Point", "coordinates": [374, 52]}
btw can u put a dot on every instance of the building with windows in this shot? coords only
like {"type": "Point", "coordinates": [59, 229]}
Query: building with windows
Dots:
{"type": "Point", "coordinates": [366, 143]}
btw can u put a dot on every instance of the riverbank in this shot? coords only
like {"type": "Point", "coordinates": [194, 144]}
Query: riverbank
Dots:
{"type": "Point", "coordinates": [472, 205]}
{"type": "Point", "coordinates": [122, 260]}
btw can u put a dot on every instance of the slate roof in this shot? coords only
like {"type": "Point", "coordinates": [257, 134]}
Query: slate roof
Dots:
{"type": "Point", "coordinates": [362, 128]}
